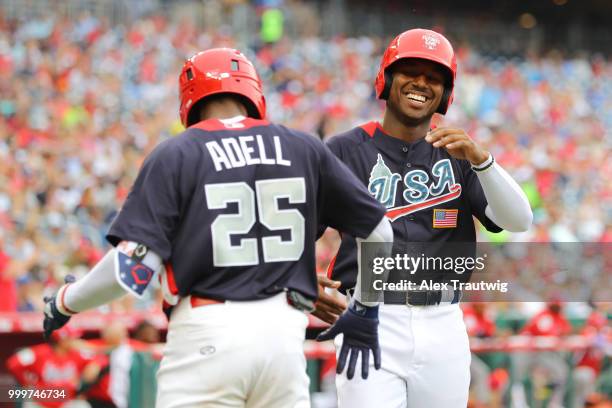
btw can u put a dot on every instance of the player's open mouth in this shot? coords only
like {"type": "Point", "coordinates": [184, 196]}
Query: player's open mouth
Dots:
{"type": "Point", "coordinates": [415, 97]}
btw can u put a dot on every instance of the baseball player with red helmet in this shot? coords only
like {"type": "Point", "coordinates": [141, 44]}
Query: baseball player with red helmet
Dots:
{"type": "Point", "coordinates": [231, 208]}
{"type": "Point", "coordinates": [58, 365]}
{"type": "Point", "coordinates": [432, 182]}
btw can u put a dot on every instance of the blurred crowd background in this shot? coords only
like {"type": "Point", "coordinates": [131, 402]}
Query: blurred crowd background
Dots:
{"type": "Point", "coordinates": [88, 88]}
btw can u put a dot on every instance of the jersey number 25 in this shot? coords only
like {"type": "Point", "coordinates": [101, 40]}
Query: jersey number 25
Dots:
{"type": "Point", "coordinates": [267, 193]}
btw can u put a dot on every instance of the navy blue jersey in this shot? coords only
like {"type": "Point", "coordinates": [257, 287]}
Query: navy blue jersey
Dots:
{"type": "Point", "coordinates": [233, 207]}
{"type": "Point", "coordinates": [429, 196]}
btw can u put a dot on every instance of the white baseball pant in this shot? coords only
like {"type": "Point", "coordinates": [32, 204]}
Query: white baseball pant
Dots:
{"type": "Point", "coordinates": [235, 354]}
{"type": "Point", "coordinates": [425, 361]}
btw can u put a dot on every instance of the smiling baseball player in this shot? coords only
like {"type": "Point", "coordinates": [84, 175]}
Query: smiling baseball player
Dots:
{"type": "Point", "coordinates": [432, 183]}
{"type": "Point", "coordinates": [231, 208]}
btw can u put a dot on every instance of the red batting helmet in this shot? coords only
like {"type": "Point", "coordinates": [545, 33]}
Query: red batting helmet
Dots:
{"type": "Point", "coordinates": [66, 332]}
{"type": "Point", "coordinates": [424, 44]}
{"type": "Point", "coordinates": [217, 71]}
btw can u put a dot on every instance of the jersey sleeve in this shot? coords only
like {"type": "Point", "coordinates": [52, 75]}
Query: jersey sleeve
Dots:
{"type": "Point", "coordinates": [151, 211]}
{"type": "Point", "coordinates": [477, 199]}
{"type": "Point", "coordinates": [347, 206]}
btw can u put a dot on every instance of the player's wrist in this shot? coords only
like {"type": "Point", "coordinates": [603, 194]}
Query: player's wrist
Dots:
{"type": "Point", "coordinates": [362, 310]}
{"type": "Point", "coordinates": [485, 164]}
{"type": "Point", "coordinates": [60, 304]}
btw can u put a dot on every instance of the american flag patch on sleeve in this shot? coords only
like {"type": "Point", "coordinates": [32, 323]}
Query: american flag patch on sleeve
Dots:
{"type": "Point", "coordinates": [445, 218]}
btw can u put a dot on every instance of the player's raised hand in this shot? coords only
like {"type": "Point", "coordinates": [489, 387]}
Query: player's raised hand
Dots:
{"type": "Point", "coordinates": [327, 307]}
{"type": "Point", "coordinates": [54, 319]}
{"type": "Point", "coordinates": [458, 144]}
{"type": "Point", "coordinates": [359, 327]}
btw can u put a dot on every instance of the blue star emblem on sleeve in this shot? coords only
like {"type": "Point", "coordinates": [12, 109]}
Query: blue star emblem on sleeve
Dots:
{"type": "Point", "coordinates": [133, 276]}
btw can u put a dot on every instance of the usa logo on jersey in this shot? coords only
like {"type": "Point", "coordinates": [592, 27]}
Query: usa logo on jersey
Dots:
{"type": "Point", "coordinates": [420, 191]}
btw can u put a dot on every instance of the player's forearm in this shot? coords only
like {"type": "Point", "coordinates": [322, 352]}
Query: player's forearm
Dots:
{"type": "Point", "coordinates": [100, 286]}
{"type": "Point", "coordinates": [96, 288]}
{"type": "Point", "coordinates": [382, 233]}
{"type": "Point", "coordinates": [508, 206]}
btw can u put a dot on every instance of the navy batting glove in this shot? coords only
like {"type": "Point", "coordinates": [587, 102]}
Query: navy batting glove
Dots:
{"type": "Point", "coordinates": [54, 319]}
{"type": "Point", "coordinates": [359, 325]}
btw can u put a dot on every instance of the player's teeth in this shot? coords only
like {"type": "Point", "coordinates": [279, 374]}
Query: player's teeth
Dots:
{"type": "Point", "coordinates": [416, 97]}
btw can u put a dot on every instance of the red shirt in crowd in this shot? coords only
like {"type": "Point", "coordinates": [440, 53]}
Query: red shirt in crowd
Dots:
{"type": "Point", "coordinates": [478, 324]}
{"type": "Point", "coordinates": [547, 323]}
{"type": "Point", "coordinates": [42, 367]}
{"type": "Point", "coordinates": [597, 330]}
{"type": "Point", "coordinates": [8, 287]}
{"type": "Point", "coordinates": [101, 389]}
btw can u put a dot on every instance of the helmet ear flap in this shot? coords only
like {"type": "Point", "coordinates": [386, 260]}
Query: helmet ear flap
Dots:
{"type": "Point", "coordinates": [388, 82]}
{"type": "Point", "coordinates": [445, 101]}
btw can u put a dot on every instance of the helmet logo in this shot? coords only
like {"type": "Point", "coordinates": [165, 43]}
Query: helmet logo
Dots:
{"type": "Point", "coordinates": [218, 76]}
{"type": "Point", "coordinates": [430, 41]}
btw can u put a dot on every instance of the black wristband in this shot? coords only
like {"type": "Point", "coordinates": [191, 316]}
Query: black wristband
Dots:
{"type": "Point", "coordinates": [485, 167]}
